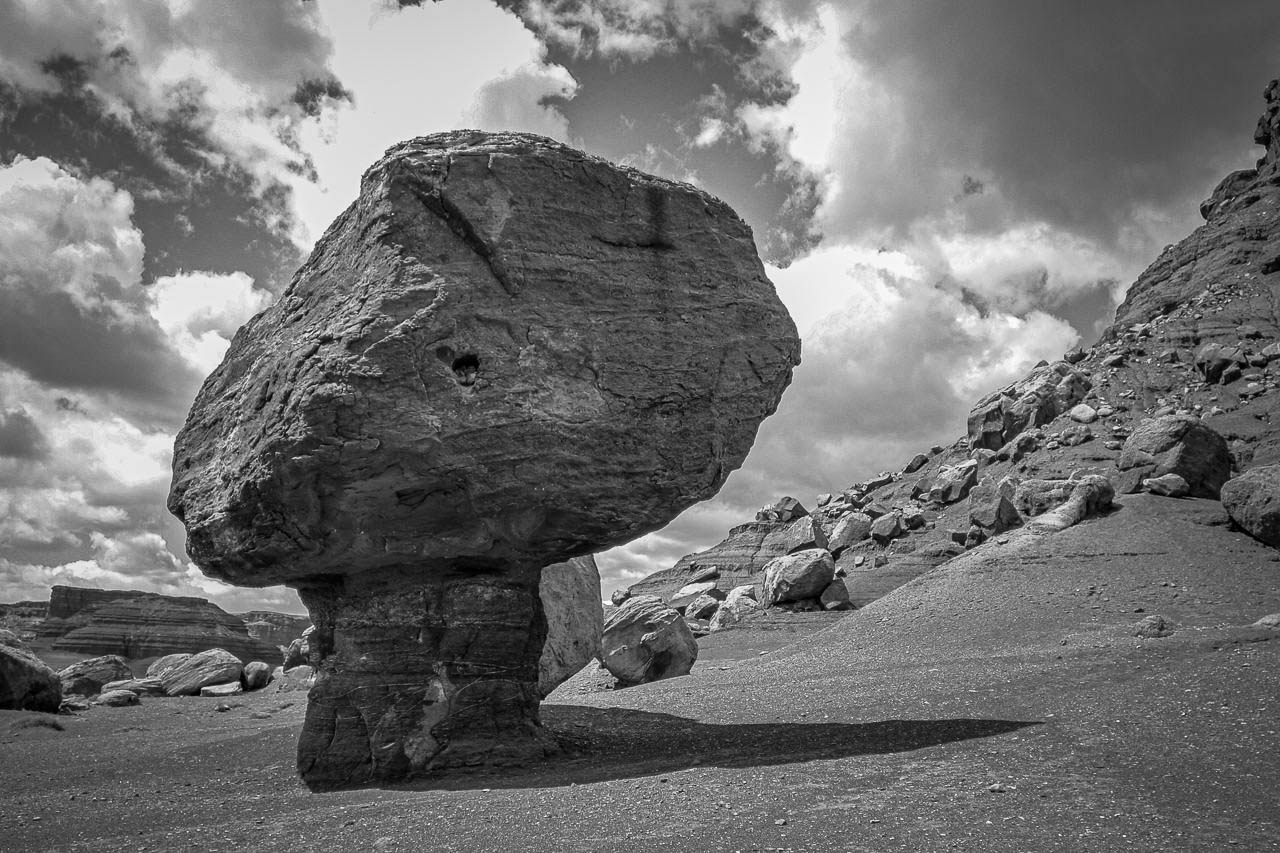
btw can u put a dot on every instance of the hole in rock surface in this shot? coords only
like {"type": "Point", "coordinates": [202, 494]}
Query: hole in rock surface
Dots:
{"type": "Point", "coordinates": [466, 367]}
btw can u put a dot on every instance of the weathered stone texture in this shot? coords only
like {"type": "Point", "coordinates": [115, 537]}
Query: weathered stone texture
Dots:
{"type": "Point", "coordinates": [504, 354]}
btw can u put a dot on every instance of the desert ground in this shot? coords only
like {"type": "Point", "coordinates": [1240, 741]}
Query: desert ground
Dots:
{"type": "Point", "coordinates": [998, 703]}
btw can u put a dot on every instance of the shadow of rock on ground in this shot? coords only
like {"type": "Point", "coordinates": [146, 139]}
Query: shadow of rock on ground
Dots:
{"type": "Point", "coordinates": [603, 744]}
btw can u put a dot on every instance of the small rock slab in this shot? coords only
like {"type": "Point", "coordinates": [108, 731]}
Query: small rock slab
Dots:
{"type": "Point", "coordinates": [232, 688]}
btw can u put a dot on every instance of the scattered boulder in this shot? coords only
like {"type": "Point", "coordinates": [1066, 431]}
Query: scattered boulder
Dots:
{"type": "Point", "coordinates": [1087, 496]}
{"type": "Point", "coordinates": [1182, 445]}
{"type": "Point", "coordinates": [161, 665]}
{"type": "Point", "coordinates": [1215, 361]}
{"type": "Point", "coordinates": [86, 677]}
{"type": "Point", "coordinates": [297, 653]}
{"type": "Point", "coordinates": [954, 482]}
{"type": "Point", "coordinates": [804, 574]}
{"type": "Point", "coordinates": [1045, 393]}
{"type": "Point", "coordinates": [1253, 502]}
{"type": "Point", "coordinates": [991, 507]}
{"type": "Point", "coordinates": [702, 607]}
{"type": "Point", "coordinates": [687, 593]}
{"type": "Point", "coordinates": [835, 596]}
{"type": "Point", "coordinates": [255, 676]}
{"type": "Point", "coordinates": [231, 688]}
{"type": "Point", "coordinates": [1152, 627]}
{"type": "Point", "coordinates": [786, 509]}
{"type": "Point", "coordinates": [214, 666]}
{"type": "Point", "coordinates": [570, 594]}
{"type": "Point", "coordinates": [886, 528]}
{"type": "Point", "coordinates": [739, 603]}
{"type": "Point", "coordinates": [1075, 435]}
{"type": "Point", "coordinates": [116, 698]}
{"type": "Point", "coordinates": [849, 530]}
{"type": "Point", "coordinates": [1168, 485]}
{"type": "Point", "coordinates": [27, 683]}
{"type": "Point", "coordinates": [1083, 413]}
{"type": "Point", "coordinates": [645, 640]}
{"type": "Point", "coordinates": [141, 686]}
{"type": "Point", "coordinates": [917, 462]}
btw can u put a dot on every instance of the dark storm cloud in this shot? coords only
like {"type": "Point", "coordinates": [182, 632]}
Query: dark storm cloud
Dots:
{"type": "Point", "coordinates": [1081, 113]}
{"type": "Point", "coordinates": [20, 436]}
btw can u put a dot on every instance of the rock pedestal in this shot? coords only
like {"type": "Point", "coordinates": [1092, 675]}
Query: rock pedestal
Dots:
{"type": "Point", "coordinates": [505, 354]}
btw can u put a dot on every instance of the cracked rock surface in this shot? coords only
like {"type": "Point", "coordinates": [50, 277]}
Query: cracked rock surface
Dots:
{"type": "Point", "coordinates": [504, 354]}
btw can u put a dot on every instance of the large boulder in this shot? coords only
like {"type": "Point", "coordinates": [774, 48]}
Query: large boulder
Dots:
{"type": "Point", "coordinates": [504, 354]}
{"type": "Point", "coordinates": [1253, 502]}
{"type": "Point", "coordinates": [256, 674]}
{"type": "Point", "coordinates": [27, 683]}
{"type": "Point", "coordinates": [1182, 445]}
{"type": "Point", "coordinates": [86, 677]}
{"type": "Point", "coordinates": [570, 593]}
{"type": "Point", "coordinates": [645, 640]}
{"type": "Point", "coordinates": [849, 530]}
{"type": "Point", "coordinates": [163, 664]}
{"type": "Point", "coordinates": [213, 666]}
{"type": "Point", "coordinates": [798, 576]}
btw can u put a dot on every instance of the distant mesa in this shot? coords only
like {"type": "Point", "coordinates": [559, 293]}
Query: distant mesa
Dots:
{"type": "Point", "coordinates": [504, 354]}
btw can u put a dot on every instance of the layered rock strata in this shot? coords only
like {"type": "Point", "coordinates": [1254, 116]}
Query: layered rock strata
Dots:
{"type": "Point", "coordinates": [504, 354]}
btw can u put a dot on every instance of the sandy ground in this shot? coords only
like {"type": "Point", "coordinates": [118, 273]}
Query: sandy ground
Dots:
{"type": "Point", "coordinates": [999, 703]}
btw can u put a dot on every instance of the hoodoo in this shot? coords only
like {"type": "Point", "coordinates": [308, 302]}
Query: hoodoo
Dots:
{"type": "Point", "coordinates": [504, 354]}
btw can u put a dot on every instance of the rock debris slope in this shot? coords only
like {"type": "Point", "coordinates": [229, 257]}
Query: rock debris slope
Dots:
{"type": "Point", "coordinates": [504, 354]}
{"type": "Point", "coordinates": [1186, 381]}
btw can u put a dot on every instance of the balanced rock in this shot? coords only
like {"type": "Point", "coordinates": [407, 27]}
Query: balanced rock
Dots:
{"type": "Point", "coordinates": [86, 677]}
{"type": "Point", "coordinates": [504, 354]}
{"type": "Point", "coordinates": [645, 640]}
{"type": "Point", "coordinates": [1182, 445]}
{"type": "Point", "coordinates": [795, 577]}
{"type": "Point", "coordinates": [27, 683]}
{"type": "Point", "coordinates": [1253, 502]}
{"type": "Point", "coordinates": [570, 593]}
{"type": "Point", "coordinates": [213, 666]}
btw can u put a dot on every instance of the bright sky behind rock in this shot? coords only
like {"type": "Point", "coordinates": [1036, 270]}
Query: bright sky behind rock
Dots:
{"type": "Point", "coordinates": [944, 194]}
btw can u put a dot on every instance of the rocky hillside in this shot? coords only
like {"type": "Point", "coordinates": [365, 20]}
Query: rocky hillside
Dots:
{"type": "Point", "coordinates": [1197, 338]}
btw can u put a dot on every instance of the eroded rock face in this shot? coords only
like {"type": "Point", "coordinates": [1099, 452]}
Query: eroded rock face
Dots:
{"type": "Point", "coordinates": [504, 354]}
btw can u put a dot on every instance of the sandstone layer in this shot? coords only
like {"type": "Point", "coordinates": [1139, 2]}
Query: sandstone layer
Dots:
{"type": "Point", "coordinates": [504, 354]}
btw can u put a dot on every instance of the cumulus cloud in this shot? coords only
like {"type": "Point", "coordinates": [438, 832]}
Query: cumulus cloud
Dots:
{"type": "Point", "coordinates": [97, 370]}
{"type": "Point", "coordinates": [241, 75]}
{"type": "Point", "coordinates": [393, 62]}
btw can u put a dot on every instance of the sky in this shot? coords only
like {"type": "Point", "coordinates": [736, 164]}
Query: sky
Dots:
{"type": "Point", "coordinates": [943, 194]}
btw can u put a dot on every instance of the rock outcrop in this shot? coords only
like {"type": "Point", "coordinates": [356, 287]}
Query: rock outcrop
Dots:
{"type": "Point", "coordinates": [278, 629]}
{"type": "Point", "coordinates": [27, 683]}
{"type": "Point", "coordinates": [504, 354]}
{"type": "Point", "coordinates": [570, 594]}
{"type": "Point", "coordinates": [143, 625]}
{"type": "Point", "coordinates": [645, 640]}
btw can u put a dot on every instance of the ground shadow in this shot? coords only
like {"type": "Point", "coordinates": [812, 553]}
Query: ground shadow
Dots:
{"type": "Point", "coordinates": [603, 744]}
